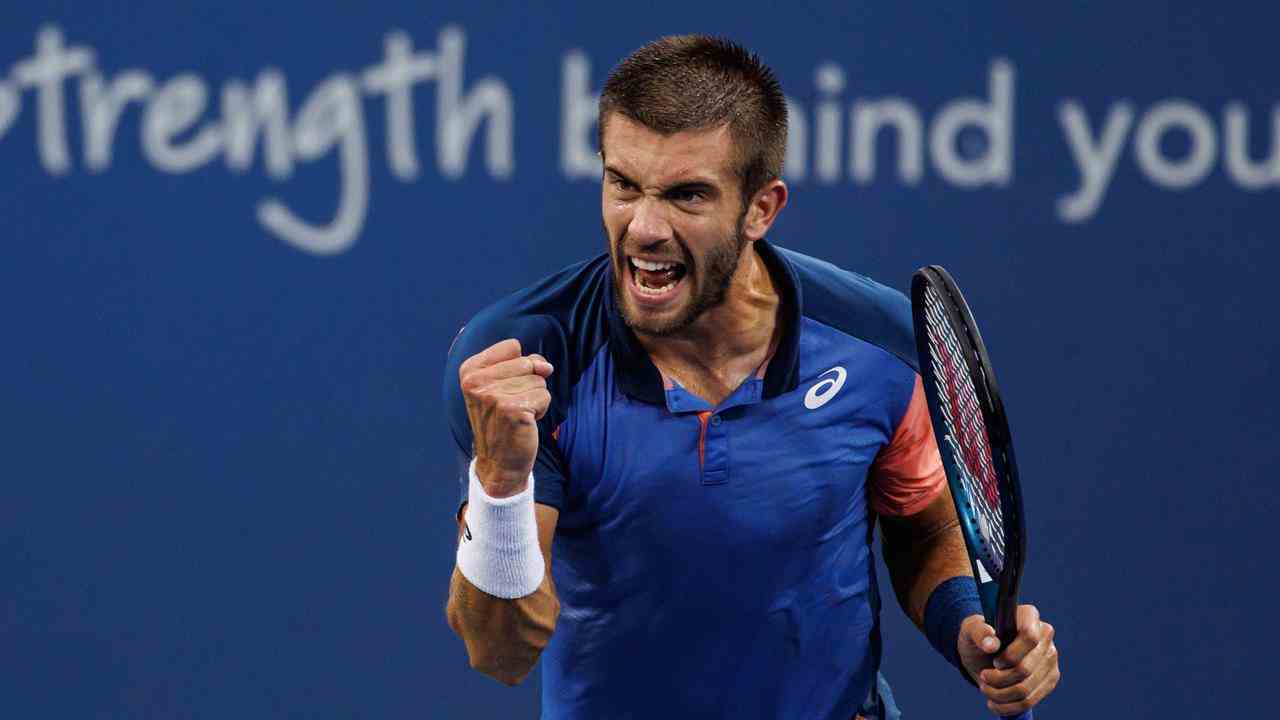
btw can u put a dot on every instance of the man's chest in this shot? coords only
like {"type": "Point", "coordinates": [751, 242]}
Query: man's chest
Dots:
{"type": "Point", "coordinates": [783, 470]}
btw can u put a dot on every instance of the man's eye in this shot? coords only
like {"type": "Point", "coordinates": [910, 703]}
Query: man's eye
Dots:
{"type": "Point", "coordinates": [688, 195]}
{"type": "Point", "coordinates": [622, 185]}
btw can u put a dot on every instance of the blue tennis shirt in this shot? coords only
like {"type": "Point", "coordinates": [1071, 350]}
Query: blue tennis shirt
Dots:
{"type": "Point", "coordinates": [715, 561]}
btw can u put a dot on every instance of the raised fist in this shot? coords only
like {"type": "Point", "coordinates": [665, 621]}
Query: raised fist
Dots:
{"type": "Point", "coordinates": [506, 394]}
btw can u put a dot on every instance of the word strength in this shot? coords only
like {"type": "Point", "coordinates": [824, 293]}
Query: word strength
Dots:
{"type": "Point", "coordinates": [176, 137]}
{"type": "Point", "coordinates": [838, 140]}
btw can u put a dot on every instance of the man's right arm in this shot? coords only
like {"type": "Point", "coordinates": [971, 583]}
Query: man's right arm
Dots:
{"type": "Point", "coordinates": [504, 638]}
{"type": "Point", "coordinates": [502, 600]}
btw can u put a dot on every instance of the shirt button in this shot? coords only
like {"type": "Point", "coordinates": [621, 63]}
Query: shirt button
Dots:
{"type": "Point", "coordinates": [715, 419]}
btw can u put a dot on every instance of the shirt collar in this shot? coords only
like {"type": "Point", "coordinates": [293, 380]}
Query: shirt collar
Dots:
{"type": "Point", "coordinates": [639, 378]}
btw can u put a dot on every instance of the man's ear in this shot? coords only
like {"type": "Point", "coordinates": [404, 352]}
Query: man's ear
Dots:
{"type": "Point", "coordinates": [763, 209]}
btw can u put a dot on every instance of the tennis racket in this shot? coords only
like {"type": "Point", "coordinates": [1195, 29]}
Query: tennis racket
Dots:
{"type": "Point", "coordinates": [972, 431]}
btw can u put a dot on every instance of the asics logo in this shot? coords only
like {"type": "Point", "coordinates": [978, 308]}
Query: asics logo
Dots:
{"type": "Point", "coordinates": [824, 390]}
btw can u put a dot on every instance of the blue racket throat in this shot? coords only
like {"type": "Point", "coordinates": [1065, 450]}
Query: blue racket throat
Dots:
{"type": "Point", "coordinates": [988, 595]}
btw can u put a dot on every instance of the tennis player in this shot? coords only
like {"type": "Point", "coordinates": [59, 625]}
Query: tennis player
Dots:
{"type": "Point", "coordinates": [673, 455]}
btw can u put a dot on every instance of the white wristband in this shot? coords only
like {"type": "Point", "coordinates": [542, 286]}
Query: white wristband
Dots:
{"type": "Point", "coordinates": [499, 551]}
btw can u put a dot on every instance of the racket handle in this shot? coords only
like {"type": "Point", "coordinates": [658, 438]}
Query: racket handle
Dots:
{"type": "Point", "coordinates": [1022, 716]}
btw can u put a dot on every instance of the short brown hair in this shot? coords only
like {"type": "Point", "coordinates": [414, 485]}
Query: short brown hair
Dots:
{"type": "Point", "coordinates": [696, 82]}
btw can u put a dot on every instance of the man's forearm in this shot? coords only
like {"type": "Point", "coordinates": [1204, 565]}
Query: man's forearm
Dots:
{"type": "Point", "coordinates": [504, 638]}
{"type": "Point", "coordinates": [922, 551]}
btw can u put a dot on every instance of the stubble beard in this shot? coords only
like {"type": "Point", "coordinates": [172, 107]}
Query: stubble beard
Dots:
{"type": "Point", "coordinates": [720, 265]}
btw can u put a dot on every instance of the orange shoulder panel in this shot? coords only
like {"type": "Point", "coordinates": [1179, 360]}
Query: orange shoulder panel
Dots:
{"type": "Point", "coordinates": [907, 474]}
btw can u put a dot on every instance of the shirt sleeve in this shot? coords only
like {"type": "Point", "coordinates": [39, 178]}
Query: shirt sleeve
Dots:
{"type": "Point", "coordinates": [548, 466]}
{"type": "Point", "coordinates": [907, 474]}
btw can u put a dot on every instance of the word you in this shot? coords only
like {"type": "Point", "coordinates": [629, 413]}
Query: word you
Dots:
{"type": "Point", "coordinates": [1097, 153]}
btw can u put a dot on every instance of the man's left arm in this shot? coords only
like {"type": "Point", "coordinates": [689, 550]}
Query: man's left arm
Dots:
{"type": "Point", "coordinates": [929, 566]}
{"type": "Point", "coordinates": [926, 551]}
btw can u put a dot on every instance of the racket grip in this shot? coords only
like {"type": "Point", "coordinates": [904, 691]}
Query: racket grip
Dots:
{"type": "Point", "coordinates": [1021, 716]}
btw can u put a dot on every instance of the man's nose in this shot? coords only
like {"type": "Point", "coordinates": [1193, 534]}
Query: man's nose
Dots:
{"type": "Point", "coordinates": [650, 224]}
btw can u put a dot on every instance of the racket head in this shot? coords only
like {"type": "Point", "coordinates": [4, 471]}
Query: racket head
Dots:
{"type": "Point", "coordinates": [972, 431]}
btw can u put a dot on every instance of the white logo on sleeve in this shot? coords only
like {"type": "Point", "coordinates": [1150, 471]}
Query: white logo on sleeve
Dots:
{"type": "Point", "coordinates": [824, 390]}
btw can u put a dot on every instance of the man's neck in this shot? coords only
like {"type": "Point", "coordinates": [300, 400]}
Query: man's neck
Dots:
{"type": "Point", "coordinates": [727, 343]}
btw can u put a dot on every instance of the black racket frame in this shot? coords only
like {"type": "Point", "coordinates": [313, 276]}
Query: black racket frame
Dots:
{"type": "Point", "coordinates": [1000, 595]}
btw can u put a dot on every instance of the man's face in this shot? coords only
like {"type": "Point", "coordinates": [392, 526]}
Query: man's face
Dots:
{"type": "Point", "coordinates": [673, 215]}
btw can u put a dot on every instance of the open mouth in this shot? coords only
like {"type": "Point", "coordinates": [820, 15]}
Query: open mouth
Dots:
{"type": "Point", "coordinates": [655, 279]}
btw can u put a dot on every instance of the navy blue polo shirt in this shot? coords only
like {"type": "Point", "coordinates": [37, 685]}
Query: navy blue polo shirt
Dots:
{"type": "Point", "coordinates": [714, 561]}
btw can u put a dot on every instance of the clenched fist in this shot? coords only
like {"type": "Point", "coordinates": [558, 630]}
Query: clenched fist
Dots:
{"type": "Point", "coordinates": [506, 394]}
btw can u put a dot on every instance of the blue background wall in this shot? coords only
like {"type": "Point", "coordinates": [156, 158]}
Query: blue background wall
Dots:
{"type": "Point", "coordinates": [225, 484]}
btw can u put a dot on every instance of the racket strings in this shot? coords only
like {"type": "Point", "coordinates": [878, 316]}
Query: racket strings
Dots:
{"type": "Point", "coordinates": [965, 428]}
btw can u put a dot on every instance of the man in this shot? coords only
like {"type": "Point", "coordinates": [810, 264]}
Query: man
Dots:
{"type": "Point", "coordinates": [701, 424]}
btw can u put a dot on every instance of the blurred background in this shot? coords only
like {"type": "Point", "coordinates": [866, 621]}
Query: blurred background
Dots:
{"type": "Point", "coordinates": [239, 237]}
